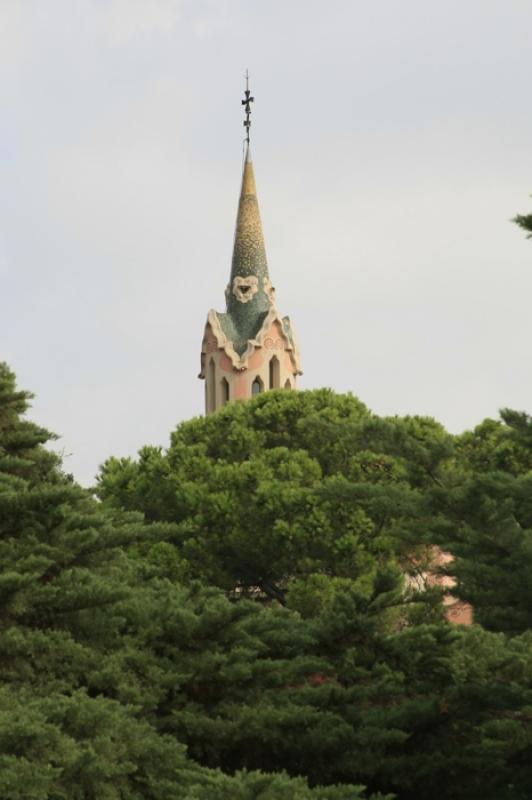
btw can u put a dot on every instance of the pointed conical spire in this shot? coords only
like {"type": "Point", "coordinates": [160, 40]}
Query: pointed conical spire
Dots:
{"type": "Point", "coordinates": [249, 252]}
{"type": "Point", "coordinates": [249, 293]}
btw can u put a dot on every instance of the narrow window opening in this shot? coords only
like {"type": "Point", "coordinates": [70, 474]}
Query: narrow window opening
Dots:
{"type": "Point", "coordinates": [211, 387]}
{"type": "Point", "coordinates": [256, 386]}
{"type": "Point", "coordinates": [275, 373]}
{"type": "Point", "coordinates": [288, 385]}
{"type": "Point", "coordinates": [225, 391]}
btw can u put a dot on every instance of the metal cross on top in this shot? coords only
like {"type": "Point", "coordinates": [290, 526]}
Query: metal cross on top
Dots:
{"type": "Point", "coordinates": [247, 100]}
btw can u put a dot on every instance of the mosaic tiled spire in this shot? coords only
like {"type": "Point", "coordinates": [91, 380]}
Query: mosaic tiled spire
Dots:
{"type": "Point", "coordinates": [249, 294]}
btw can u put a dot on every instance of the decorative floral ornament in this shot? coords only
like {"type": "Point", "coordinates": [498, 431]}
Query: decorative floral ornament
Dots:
{"type": "Point", "coordinates": [269, 290]}
{"type": "Point", "coordinates": [245, 288]}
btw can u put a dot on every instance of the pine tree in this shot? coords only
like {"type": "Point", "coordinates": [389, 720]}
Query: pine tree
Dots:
{"type": "Point", "coordinates": [486, 522]}
{"type": "Point", "coordinates": [338, 673]}
{"type": "Point", "coordinates": [330, 488]}
{"type": "Point", "coordinates": [525, 222]}
{"type": "Point", "coordinates": [84, 695]}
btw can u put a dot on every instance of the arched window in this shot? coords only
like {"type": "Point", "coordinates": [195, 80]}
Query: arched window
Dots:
{"type": "Point", "coordinates": [225, 391]}
{"type": "Point", "coordinates": [211, 387]}
{"type": "Point", "coordinates": [275, 373]}
{"type": "Point", "coordinates": [287, 384]}
{"type": "Point", "coordinates": [257, 386]}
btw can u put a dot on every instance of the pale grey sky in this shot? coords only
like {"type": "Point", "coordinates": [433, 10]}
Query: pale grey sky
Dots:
{"type": "Point", "coordinates": [392, 144]}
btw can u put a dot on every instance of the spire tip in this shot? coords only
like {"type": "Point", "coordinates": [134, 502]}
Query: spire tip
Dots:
{"type": "Point", "coordinates": [247, 110]}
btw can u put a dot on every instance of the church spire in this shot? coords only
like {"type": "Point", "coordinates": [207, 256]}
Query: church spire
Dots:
{"type": "Point", "coordinates": [246, 102]}
{"type": "Point", "coordinates": [249, 267]}
{"type": "Point", "coordinates": [249, 348]}
{"type": "Point", "coordinates": [249, 294]}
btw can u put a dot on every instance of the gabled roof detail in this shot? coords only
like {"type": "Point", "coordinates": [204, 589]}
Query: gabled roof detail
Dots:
{"type": "Point", "coordinates": [215, 322]}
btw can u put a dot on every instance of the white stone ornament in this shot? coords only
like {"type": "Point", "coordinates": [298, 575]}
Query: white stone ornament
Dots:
{"type": "Point", "coordinates": [269, 290]}
{"type": "Point", "coordinates": [245, 288]}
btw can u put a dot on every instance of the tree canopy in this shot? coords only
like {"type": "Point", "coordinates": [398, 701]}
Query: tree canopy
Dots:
{"type": "Point", "coordinates": [96, 645]}
{"type": "Point", "coordinates": [309, 504]}
{"type": "Point", "coordinates": [246, 614]}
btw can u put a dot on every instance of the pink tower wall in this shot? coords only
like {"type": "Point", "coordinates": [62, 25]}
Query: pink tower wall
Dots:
{"type": "Point", "coordinates": [258, 364]}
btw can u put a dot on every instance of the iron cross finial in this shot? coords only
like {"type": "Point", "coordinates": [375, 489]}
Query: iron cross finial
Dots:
{"type": "Point", "coordinates": [246, 102]}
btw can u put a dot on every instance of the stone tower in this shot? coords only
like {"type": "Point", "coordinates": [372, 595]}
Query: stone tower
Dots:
{"type": "Point", "coordinates": [250, 348]}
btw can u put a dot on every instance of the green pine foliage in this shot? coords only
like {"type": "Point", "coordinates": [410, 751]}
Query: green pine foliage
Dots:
{"type": "Point", "coordinates": [318, 510]}
{"type": "Point", "coordinates": [487, 521]}
{"type": "Point", "coordinates": [525, 222]}
{"type": "Point", "coordinates": [288, 486]}
{"type": "Point", "coordinates": [238, 617]}
{"type": "Point", "coordinates": [84, 695]}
